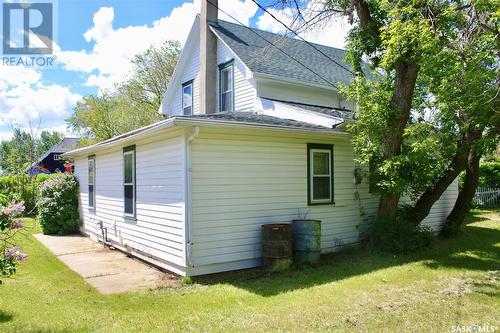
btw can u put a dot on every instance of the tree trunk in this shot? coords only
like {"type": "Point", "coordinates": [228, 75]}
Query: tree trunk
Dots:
{"type": "Point", "coordinates": [457, 216]}
{"type": "Point", "coordinates": [404, 85]}
{"type": "Point", "coordinates": [458, 164]}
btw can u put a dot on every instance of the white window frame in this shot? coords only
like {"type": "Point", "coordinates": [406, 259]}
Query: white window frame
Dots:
{"type": "Point", "coordinates": [131, 152]}
{"type": "Point", "coordinates": [57, 157]}
{"type": "Point", "coordinates": [184, 85]}
{"type": "Point", "coordinates": [226, 67]}
{"type": "Point", "coordinates": [312, 151]}
{"type": "Point", "coordinates": [91, 161]}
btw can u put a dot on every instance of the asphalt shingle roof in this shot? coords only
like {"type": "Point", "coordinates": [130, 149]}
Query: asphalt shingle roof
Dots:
{"type": "Point", "coordinates": [264, 58]}
{"type": "Point", "coordinates": [254, 118]}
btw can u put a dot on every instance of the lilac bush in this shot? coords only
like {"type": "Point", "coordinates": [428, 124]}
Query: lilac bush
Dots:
{"type": "Point", "coordinates": [10, 225]}
{"type": "Point", "coordinates": [58, 205]}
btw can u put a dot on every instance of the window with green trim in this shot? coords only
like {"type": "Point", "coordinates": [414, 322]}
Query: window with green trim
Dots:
{"type": "Point", "coordinates": [226, 87]}
{"type": "Point", "coordinates": [320, 174]}
{"type": "Point", "coordinates": [91, 182]}
{"type": "Point", "coordinates": [129, 180]}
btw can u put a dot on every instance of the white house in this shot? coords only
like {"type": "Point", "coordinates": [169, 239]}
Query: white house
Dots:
{"type": "Point", "coordinates": [254, 136]}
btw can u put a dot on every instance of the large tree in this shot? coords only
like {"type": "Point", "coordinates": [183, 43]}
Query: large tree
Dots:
{"type": "Point", "coordinates": [133, 103]}
{"type": "Point", "coordinates": [409, 128]}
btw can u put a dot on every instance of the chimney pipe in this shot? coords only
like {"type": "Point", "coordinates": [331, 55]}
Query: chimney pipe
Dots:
{"type": "Point", "coordinates": [208, 56]}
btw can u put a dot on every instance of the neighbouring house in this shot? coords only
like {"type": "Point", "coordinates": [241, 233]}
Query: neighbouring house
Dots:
{"type": "Point", "coordinates": [51, 161]}
{"type": "Point", "coordinates": [254, 135]}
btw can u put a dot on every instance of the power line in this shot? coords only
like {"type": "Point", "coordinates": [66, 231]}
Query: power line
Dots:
{"type": "Point", "coordinates": [270, 43]}
{"type": "Point", "coordinates": [300, 37]}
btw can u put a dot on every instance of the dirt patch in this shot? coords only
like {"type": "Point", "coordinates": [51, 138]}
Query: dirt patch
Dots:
{"type": "Point", "coordinates": [465, 285]}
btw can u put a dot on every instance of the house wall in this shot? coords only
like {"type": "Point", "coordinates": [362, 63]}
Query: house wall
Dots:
{"type": "Point", "coordinates": [243, 179]}
{"type": "Point", "coordinates": [159, 230]}
{"type": "Point", "coordinates": [301, 94]}
{"type": "Point", "coordinates": [244, 86]}
{"type": "Point", "coordinates": [53, 165]}
{"type": "Point", "coordinates": [191, 72]}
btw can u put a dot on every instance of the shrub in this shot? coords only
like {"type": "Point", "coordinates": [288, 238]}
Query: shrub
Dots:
{"type": "Point", "coordinates": [10, 225]}
{"type": "Point", "coordinates": [489, 174]}
{"type": "Point", "coordinates": [23, 188]}
{"type": "Point", "coordinates": [400, 236]}
{"type": "Point", "coordinates": [58, 205]}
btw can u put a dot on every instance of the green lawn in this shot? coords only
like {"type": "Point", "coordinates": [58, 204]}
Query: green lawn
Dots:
{"type": "Point", "coordinates": [455, 283]}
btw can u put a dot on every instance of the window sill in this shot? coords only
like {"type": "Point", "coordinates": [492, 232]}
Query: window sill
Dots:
{"type": "Point", "coordinates": [91, 211]}
{"type": "Point", "coordinates": [130, 218]}
{"type": "Point", "coordinates": [322, 204]}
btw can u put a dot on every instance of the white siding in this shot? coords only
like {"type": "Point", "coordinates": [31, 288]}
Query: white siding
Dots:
{"type": "Point", "coordinates": [244, 85]}
{"type": "Point", "coordinates": [241, 180]}
{"type": "Point", "coordinates": [301, 94]}
{"type": "Point", "coordinates": [191, 72]}
{"type": "Point", "coordinates": [159, 230]}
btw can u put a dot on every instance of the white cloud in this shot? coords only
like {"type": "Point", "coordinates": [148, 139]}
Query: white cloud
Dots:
{"type": "Point", "coordinates": [331, 33]}
{"type": "Point", "coordinates": [17, 75]}
{"type": "Point", "coordinates": [109, 60]}
{"type": "Point", "coordinates": [242, 11]}
{"type": "Point", "coordinates": [25, 97]}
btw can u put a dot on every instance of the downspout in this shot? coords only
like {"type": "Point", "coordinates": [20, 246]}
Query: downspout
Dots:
{"type": "Point", "coordinates": [188, 196]}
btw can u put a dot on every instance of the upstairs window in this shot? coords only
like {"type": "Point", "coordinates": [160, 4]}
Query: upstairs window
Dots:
{"type": "Point", "coordinates": [57, 157]}
{"type": "Point", "coordinates": [226, 87]}
{"type": "Point", "coordinates": [320, 174]}
{"type": "Point", "coordinates": [187, 98]}
{"type": "Point", "coordinates": [129, 180]}
{"type": "Point", "coordinates": [91, 182]}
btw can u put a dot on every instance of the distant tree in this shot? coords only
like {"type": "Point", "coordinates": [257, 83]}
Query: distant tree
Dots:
{"type": "Point", "coordinates": [46, 140]}
{"type": "Point", "coordinates": [23, 149]}
{"type": "Point", "coordinates": [151, 73]}
{"type": "Point", "coordinates": [131, 104]}
{"type": "Point", "coordinates": [17, 153]}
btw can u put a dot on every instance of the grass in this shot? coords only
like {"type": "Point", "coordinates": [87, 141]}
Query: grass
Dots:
{"type": "Point", "coordinates": [455, 283]}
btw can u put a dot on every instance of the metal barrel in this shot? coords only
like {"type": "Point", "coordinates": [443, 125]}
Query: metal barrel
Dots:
{"type": "Point", "coordinates": [306, 241]}
{"type": "Point", "coordinates": [276, 244]}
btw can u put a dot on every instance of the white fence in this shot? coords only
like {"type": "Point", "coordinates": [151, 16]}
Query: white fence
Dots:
{"type": "Point", "coordinates": [487, 196]}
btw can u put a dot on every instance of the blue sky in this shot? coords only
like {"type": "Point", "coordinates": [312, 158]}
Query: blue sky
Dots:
{"type": "Point", "coordinates": [96, 40]}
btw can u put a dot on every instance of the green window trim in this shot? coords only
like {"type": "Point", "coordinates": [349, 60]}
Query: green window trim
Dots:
{"type": "Point", "coordinates": [130, 150]}
{"type": "Point", "coordinates": [185, 84]}
{"type": "Point", "coordinates": [311, 148]}
{"type": "Point", "coordinates": [222, 67]}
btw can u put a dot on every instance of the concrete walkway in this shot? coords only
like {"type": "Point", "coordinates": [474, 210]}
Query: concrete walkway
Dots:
{"type": "Point", "coordinates": [109, 271]}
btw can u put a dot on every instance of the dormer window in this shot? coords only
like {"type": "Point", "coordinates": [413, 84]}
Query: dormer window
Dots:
{"type": "Point", "coordinates": [187, 98]}
{"type": "Point", "coordinates": [226, 87]}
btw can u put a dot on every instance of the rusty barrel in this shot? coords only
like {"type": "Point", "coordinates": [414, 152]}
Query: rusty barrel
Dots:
{"type": "Point", "coordinates": [276, 245]}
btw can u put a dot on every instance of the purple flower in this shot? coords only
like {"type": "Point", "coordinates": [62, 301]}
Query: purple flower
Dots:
{"type": "Point", "coordinates": [13, 251]}
{"type": "Point", "coordinates": [14, 209]}
{"type": "Point", "coordinates": [22, 256]}
{"type": "Point", "coordinates": [17, 224]}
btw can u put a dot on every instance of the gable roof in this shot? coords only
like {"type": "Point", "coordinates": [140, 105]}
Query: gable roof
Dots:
{"type": "Point", "coordinates": [261, 57]}
{"type": "Point", "coordinates": [63, 146]}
